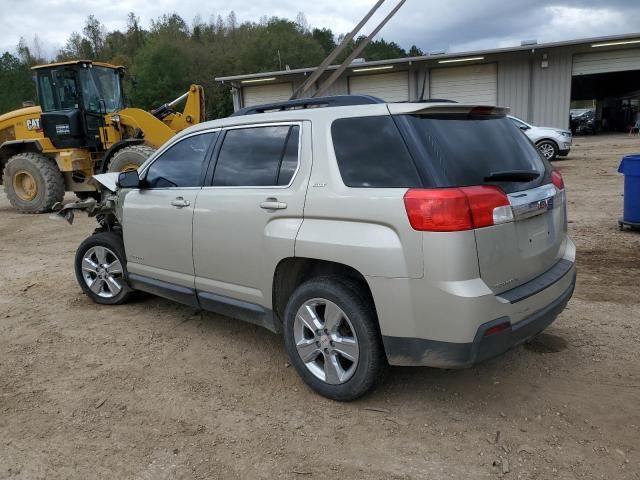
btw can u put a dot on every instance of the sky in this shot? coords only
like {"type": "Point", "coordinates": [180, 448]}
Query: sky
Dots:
{"type": "Point", "coordinates": [432, 25]}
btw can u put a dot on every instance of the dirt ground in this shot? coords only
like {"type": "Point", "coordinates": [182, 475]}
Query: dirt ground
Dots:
{"type": "Point", "coordinates": [154, 390]}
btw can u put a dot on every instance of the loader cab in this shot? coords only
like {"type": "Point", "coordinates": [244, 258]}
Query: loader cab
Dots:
{"type": "Point", "coordinates": [74, 98]}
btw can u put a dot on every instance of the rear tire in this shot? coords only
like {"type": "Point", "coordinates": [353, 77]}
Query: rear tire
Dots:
{"type": "Point", "coordinates": [101, 269]}
{"type": "Point", "coordinates": [325, 368]}
{"type": "Point", "coordinates": [548, 149]}
{"type": "Point", "coordinates": [130, 158]}
{"type": "Point", "coordinates": [33, 183]}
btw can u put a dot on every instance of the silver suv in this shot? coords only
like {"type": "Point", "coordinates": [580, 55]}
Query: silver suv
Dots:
{"type": "Point", "coordinates": [366, 233]}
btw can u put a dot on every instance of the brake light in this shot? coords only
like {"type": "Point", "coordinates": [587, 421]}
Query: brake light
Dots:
{"type": "Point", "coordinates": [557, 180]}
{"type": "Point", "coordinates": [457, 209]}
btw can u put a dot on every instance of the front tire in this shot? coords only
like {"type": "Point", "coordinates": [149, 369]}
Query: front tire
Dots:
{"type": "Point", "coordinates": [332, 338]}
{"type": "Point", "coordinates": [548, 149]}
{"type": "Point", "coordinates": [33, 183]}
{"type": "Point", "coordinates": [101, 269]}
{"type": "Point", "coordinates": [130, 158]}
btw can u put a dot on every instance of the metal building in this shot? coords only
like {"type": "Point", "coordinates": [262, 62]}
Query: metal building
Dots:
{"type": "Point", "coordinates": [540, 82]}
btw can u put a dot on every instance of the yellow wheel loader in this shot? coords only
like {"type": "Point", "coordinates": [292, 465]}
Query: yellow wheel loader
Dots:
{"type": "Point", "coordinates": [81, 128]}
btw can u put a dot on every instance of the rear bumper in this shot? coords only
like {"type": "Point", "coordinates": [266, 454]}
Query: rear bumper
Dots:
{"type": "Point", "coordinates": [418, 351]}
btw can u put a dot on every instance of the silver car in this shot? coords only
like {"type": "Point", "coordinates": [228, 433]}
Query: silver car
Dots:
{"type": "Point", "coordinates": [367, 234]}
{"type": "Point", "coordinates": [552, 142]}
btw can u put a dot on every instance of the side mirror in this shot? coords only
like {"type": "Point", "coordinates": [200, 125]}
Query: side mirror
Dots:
{"type": "Point", "coordinates": [128, 179]}
{"type": "Point", "coordinates": [524, 128]}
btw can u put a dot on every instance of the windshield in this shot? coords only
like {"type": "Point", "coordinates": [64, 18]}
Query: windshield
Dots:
{"type": "Point", "coordinates": [458, 150]}
{"type": "Point", "coordinates": [101, 89]}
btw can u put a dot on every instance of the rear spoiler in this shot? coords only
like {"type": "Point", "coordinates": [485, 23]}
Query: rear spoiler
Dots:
{"type": "Point", "coordinates": [445, 109]}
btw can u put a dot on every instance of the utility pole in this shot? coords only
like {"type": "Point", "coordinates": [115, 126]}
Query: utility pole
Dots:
{"type": "Point", "coordinates": [334, 54]}
{"type": "Point", "coordinates": [336, 74]}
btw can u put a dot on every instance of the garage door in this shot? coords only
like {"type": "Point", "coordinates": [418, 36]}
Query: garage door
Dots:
{"type": "Point", "coordinates": [260, 94]}
{"type": "Point", "coordinates": [392, 87]}
{"type": "Point", "coordinates": [605, 62]}
{"type": "Point", "coordinates": [468, 84]}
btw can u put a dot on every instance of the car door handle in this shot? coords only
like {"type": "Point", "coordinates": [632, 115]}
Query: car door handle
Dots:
{"type": "Point", "coordinates": [273, 204]}
{"type": "Point", "coordinates": [180, 202]}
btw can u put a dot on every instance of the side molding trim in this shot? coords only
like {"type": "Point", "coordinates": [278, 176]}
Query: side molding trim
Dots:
{"type": "Point", "coordinates": [245, 311]}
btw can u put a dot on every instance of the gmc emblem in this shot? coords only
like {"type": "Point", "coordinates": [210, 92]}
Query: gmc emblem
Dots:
{"type": "Point", "coordinates": [546, 204]}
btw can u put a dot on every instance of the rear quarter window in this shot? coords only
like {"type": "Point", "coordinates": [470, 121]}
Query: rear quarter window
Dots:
{"type": "Point", "coordinates": [371, 153]}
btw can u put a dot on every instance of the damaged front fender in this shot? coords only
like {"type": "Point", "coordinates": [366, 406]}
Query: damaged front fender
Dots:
{"type": "Point", "coordinates": [91, 206]}
{"type": "Point", "coordinates": [105, 210]}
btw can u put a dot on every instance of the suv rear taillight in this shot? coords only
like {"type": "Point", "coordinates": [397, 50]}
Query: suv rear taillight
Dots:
{"type": "Point", "coordinates": [557, 180]}
{"type": "Point", "coordinates": [457, 209]}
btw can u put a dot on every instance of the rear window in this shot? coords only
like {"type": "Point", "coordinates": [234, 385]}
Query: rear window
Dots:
{"type": "Point", "coordinates": [371, 153]}
{"type": "Point", "coordinates": [456, 151]}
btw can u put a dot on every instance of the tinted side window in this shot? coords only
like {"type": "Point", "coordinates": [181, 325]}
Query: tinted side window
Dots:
{"type": "Point", "coordinates": [260, 156]}
{"type": "Point", "coordinates": [371, 153]}
{"type": "Point", "coordinates": [182, 164]}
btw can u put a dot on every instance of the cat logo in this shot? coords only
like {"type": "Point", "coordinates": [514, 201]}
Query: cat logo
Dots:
{"type": "Point", "coordinates": [33, 124]}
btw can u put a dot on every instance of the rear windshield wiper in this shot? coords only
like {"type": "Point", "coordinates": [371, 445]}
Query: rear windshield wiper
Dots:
{"type": "Point", "coordinates": [512, 176]}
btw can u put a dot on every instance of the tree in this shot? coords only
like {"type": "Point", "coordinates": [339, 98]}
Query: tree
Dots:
{"type": "Point", "coordinates": [24, 52]}
{"type": "Point", "coordinates": [94, 33]}
{"type": "Point", "coordinates": [383, 50]}
{"type": "Point", "coordinates": [15, 83]}
{"type": "Point", "coordinates": [301, 21]}
{"type": "Point", "coordinates": [160, 68]}
{"type": "Point", "coordinates": [280, 41]}
{"type": "Point", "coordinates": [197, 29]}
{"type": "Point", "coordinates": [37, 50]}
{"type": "Point", "coordinates": [415, 52]}
{"type": "Point", "coordinates": [115, 45]}
{"type": "Point", "coordinates": [76, 47]}
{"type": "Point", "coordinates": [219, 28]}
{"type": "Point", "coordinates": [135, 34]}
{"type": "Point", "coordinates": [232, 21]}
{"type": "Point", "coordinates": [325, 38]}
{"type": "Point", "coordinates": [170, 27]}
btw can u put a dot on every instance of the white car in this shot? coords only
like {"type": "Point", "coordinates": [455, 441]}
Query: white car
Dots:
{"type": "Point", "coordinates": [552, 142]}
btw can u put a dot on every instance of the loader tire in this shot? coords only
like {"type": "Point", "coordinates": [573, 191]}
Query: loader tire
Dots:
{"type": "Point", "coordinates": [33, 183]}
{"type": "Point", "coordinates": [130, 158]}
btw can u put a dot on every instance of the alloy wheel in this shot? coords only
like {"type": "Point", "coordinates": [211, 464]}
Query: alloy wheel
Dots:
{"type": "Point", "coordinates": [547, 150]}
{"type": "Point", "coordinates": [102, 272]}
{"type": "Point", "coordinates": [326, 341]}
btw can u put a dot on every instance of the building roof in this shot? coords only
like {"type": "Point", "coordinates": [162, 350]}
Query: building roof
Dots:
{"type": "Point", "coordinates": [409, 60]}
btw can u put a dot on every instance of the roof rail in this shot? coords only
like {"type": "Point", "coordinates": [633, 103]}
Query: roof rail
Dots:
{"type": "Point", "coordinates": [317, 102]}
{"type": "Point", "coordinates": [436, 100]}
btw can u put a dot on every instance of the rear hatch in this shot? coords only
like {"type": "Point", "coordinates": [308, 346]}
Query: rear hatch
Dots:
{"type": "Point", "coordinates": [483, 147]}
